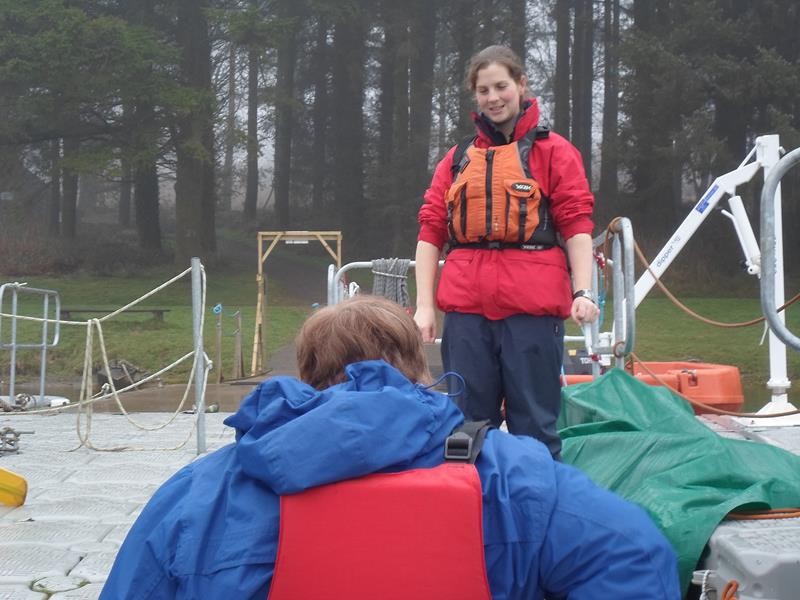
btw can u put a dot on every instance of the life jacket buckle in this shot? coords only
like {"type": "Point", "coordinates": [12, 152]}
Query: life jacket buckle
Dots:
{"type": "Point", "coordinates": [458, 446]}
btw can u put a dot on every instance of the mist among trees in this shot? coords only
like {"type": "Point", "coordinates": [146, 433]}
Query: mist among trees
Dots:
{"type": "Point", "coordinates": [160, 122]}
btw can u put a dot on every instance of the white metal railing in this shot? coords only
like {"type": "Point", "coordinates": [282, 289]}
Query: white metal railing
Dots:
{"type": "Point", "coordinates": [14, 344]}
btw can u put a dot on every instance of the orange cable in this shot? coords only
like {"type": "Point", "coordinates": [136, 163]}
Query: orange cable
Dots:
{"type": "Point", "coordinates": [772, 513]}
{"type": "Point", "coordinates": [730, 589]}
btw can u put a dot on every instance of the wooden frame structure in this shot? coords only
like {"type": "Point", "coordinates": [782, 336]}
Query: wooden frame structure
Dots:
{"type": "Point", "coordinates": [272, 238]}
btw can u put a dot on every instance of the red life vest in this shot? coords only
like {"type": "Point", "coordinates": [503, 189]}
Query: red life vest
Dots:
{"type": "Point", "coordinates": [412, 535]}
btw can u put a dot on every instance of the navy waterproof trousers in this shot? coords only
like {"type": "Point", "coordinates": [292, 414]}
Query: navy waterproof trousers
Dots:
{"type": "Point", "coordinates": [517, 359]}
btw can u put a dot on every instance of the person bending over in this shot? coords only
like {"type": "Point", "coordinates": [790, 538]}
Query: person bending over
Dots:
{"type": "Point", "coordinates": [211, 531]}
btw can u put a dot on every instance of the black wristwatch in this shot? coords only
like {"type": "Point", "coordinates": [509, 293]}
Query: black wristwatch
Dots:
{"type": "Point", "coordinates": [588, 294]}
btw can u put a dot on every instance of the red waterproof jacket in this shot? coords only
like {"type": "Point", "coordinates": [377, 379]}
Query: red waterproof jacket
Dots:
{"type": "Point", "coordinates": [499, 283]}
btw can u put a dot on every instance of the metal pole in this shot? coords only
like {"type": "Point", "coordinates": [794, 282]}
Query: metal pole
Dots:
{"type": "Point", "coordinates": [219, 347]}
{"type": "Point", "coordinates": [768, 153]}
{"type": "Point", "coordinates": [43, 354]}
{"type": "Point", "coordinates": [12, 376]}
{"type": "Point", "coordinates": [199, 366]}
{"type": "Point", "coordinates": [238, 365]}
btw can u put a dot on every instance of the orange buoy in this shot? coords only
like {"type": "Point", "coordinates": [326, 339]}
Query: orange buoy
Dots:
{"type": "Point", "coordinates": [716, 385]}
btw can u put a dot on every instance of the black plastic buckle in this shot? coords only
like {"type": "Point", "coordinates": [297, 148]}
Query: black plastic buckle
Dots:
{"type": "Point", "coordinates": [458, 446]}
{"type": "Point", "coordinates": [494, 245]}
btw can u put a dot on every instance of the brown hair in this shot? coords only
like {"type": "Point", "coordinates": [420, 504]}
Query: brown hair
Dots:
{"type": "Point", "coordinates": [502, 55]}
{"type": "Point", "coordinates": [361, 328]}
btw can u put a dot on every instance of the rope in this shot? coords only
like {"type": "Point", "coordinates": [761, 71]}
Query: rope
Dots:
{"type": "Point", "coordinates": [704, 585]}
{"type": "Point", "coordinates": [390, 279]}
{"type": "Point", "coordinates": [88, 401]}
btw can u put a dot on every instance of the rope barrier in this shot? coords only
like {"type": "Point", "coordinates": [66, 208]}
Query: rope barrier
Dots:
{"type": "Point", "coordinates": [86, 400]}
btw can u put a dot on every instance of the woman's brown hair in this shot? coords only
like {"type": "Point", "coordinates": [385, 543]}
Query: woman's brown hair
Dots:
{"type": "Point", "coordinates": [360, 328]}
{"type": "Point", "coordinates": [502, 55]}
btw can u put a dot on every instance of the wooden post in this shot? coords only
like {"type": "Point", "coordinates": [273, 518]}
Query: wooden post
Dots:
{"type": "Point", "coordinates": [258, 363]}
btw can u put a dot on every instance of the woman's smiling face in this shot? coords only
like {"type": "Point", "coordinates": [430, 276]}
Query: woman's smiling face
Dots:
{"type": "Point", "coordinates": [499, 96]}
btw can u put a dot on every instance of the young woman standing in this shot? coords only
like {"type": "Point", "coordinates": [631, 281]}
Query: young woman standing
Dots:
{"type": "Point", "coordinates": [515, 209]}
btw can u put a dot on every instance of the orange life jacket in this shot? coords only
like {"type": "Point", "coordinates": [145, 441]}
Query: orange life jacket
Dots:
{"type": "Point", "coordinates": [494, 200]}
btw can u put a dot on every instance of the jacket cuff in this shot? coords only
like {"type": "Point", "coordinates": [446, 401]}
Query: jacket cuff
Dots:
{"type": "Point", "coordinates": [430, 235]}
{"type": "Point", "coordinates": [580, 225]}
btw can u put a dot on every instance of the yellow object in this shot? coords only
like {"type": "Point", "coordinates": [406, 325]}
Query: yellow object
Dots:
{"type": "Point", "coordinates": [13, 488]}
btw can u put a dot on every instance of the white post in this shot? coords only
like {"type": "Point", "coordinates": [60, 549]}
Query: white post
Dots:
{"type": "Point", "coordinates": [199, 357]}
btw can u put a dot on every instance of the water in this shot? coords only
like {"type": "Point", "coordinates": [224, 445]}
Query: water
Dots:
{"type": "Point", "coordinates": [150, 398]}
{"type": "Point", "coordinates": [166, 398]}
{"type": "Point", "coordinates": [757, 395]}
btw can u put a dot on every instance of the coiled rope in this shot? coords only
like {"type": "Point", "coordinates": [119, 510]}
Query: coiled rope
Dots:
{"type": "Point", "coordinates": [390, 279]}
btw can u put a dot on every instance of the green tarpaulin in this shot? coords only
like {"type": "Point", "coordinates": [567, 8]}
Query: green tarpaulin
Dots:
{"type": "Point", "coordinates": [644, 443]}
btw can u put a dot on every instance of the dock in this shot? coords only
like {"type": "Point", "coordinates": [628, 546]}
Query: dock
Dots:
{"type": "Point", "coordinates": [81, 502]}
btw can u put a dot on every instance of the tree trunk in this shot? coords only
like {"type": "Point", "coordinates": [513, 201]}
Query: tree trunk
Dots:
{"type": "Point", "coordinates": [392, 37]}
{"type": "Point", "coordinates": [561, 115]}
{"type": "Point", "coordinates": [441, 107]}
{"type": "Point", "coordinates": [609, 166]}
{"type": "Point", "coordinates": [518, 33]}
{"type": "Point", "coordinates": [194, 143]}
{"type": "Point", "coordinates": [644, 163]}
{"type": "Point", "coordinates": [125, 194]}
{"type": "Point", "coordinates": [226, 199]}
{"type": "Point", "coordinates": [251, 193]}
{"type": "Point", "coordinates": [465, 28]}
{"type": "Point", "coordinates": [487, 29]}
{"type": "Point", "coordinates": [145, 198]}
{"type": "Point", "coordinates": [69, 201]}
{"type": "Point", "coordinates": [348, 96]}
{"type": "Point", "coordinates": [284, 108]}
{"type": "Point", "coordinates": [423, 57]}
{"type": "Point", "coordinates": [54, 212]}
{"type": "Point", "coordinates": [582, 79]}
{"type": "Point", "coordinates": [320, 116]}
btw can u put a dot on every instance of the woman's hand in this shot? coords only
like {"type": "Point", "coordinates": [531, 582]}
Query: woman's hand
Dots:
{"type": "Point", "coordinates": [425, 318]}
{"type": "Point", "coordinates": [583, 310]}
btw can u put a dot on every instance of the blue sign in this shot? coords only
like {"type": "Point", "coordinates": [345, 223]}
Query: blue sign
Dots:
{"type": "Point", "coordinates": [703, 204]}
{"type": "Point", "coordinates": [217, 309]}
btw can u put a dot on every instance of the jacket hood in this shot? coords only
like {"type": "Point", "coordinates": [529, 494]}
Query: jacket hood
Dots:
{"type": "Point", "coordinates": [293, 437]}
{"type": "Point", "coordinates": [527, 119]}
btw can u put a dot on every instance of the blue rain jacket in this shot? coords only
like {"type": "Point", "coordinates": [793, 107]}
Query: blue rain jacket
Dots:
{"type": "Point", "coordinates": [211, 531]}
